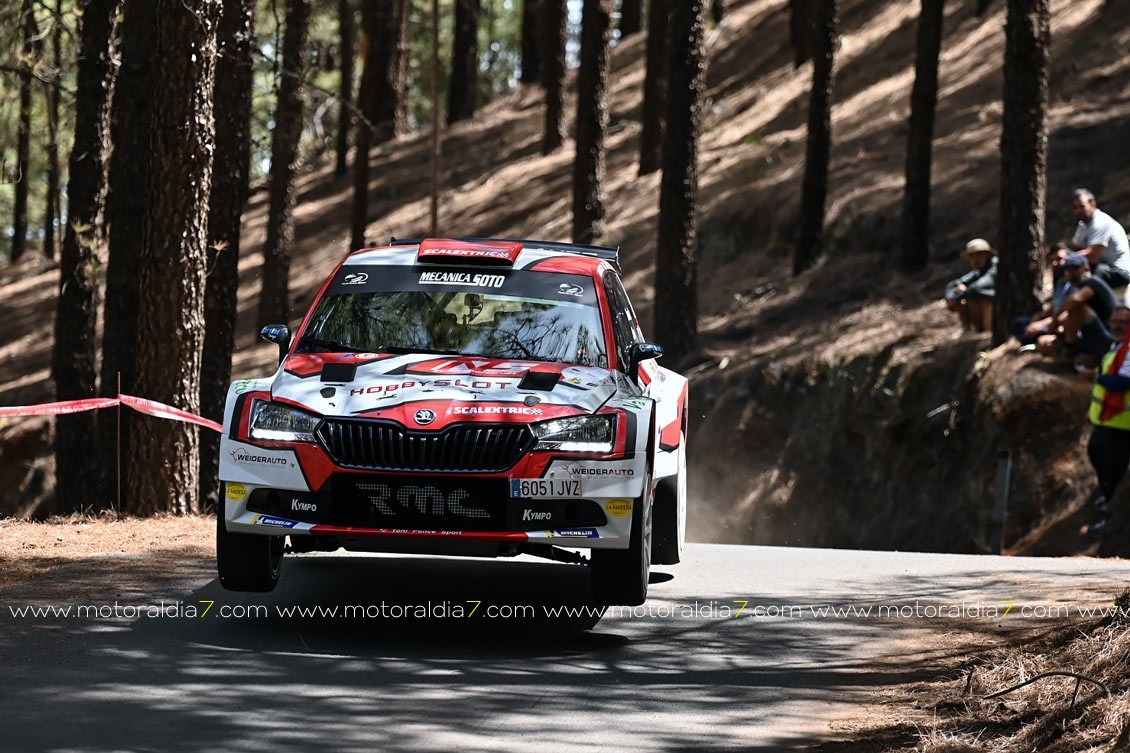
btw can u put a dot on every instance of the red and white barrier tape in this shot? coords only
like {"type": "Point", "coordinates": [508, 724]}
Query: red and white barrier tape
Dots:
{"type": "Point", "coordinates": [139, 404]}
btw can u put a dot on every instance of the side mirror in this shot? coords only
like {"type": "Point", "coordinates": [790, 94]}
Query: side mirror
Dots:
{"type": "Point", "coordinates": [279, 334]}
{"type": "Point", "coordinates": [640, 352]}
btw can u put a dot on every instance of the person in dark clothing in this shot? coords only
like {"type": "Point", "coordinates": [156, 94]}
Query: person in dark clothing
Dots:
{"type": "Point", "coordinates": [1109, 446]}
{"type": "Point", "coordinates": [1028, 329]}
{"type": "Point", "coordinates": [1083, 321]}
{"type": "Point", "coordinates": [971, 295]}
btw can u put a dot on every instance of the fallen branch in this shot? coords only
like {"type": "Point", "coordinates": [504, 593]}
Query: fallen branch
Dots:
{"type": "Point", "coordinates": [1079, 679]}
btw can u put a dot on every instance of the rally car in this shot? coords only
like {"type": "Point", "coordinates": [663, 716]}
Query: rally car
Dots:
{"type": "Point", "coordinates": [465, 397]}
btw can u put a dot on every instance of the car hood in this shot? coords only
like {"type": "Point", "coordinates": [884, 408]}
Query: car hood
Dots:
{"type": "Point", "coordinates": [376, 385]}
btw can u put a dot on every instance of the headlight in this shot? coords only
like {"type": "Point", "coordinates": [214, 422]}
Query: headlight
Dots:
{"type": "Point", "coordinates": [576, 434]}
{"type": "Point", "coordinates": [281, 423]}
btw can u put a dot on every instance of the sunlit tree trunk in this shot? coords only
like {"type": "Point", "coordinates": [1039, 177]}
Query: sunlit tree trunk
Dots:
{"type": "Point", "coordinates": [802, 29]}
{"type": "Point", "coordinates": [274, 301]}
{"type": "Point", "coordinates": [234, 71]}
{"type": "Point", "coordinates": [51, 213]}
{"type": "Point", "coordinates": [463, 85]}
{"type": "Point", "coordinates": [164, 456]}
{"type": "Point", "coordinates": [1024, 161]}
{"type": "Point", "coordinates": [126, 201]}
{"type": "Point", "coordinates": [915, 244]}
{"type": "Point", "coordinates": [553, 74]}
{"type": "Point", "coordinates": [654, 88]}
{"type": "Point", "coordinates": [814, 190]}
{"type": "Point", "coordinates": [533, 18]}
{"type": "Point", "coordinates": [630, 16]}
{"type": "Point", "coordinates": [31, 51]}
{"type": "Point", "coordinates": [592, 121]}
{"type": "Point", "coordinates": [345, 84]}
{"type": "Point", "coordinates": [76, 466]}
{"type": "Point", "coordinates": [676, 275]}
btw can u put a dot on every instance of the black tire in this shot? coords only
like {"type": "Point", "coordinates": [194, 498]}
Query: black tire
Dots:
{"type": "Point", "coordinates": [620, 576]}
{"type": "Point", "coordinates": [246, 562]}
{"type": "Point", "coordinates": [665, 542]}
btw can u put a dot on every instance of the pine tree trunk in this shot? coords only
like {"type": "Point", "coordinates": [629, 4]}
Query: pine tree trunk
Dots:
{"type": "Point", "coordinates": [717, 10]}
{"type": "Point", "coordinates": [654, 87]}
{"type": "Point", "coordinates": [23, 133]}
{"type": "Point", "coordinates": [126, 201]}
{"type": "Point", "coordinates": [345, 84]}
{"type": "Point", "coordinates": [73, 357]}
{"type": "Point", "coordinates": [676, 275]}
{"type": "Point", "coordinates": [533, 15]}
{"type": "Point", "coordinates": [231, 168]}
{"type": "Point", "coordinates": [915, 245]}
{"type": "Point", "coordinates": [814, 189]}
{"type": "Point", "coordinates": [274, 301]}
{"type": "Point", "coordinates": [463, 85]}
{"type": "Point", "coordinates": [554, 29]}
{"type": "Point", "coordinates": [389, 25]}
{"type": "Point", "coordinates": [1024, 161]}
{"type": "Point", "coordinates": [803, 29]}
{"type": "Point", "coordinates": [164, 458]}
{"type": "Point", "coordinates": [630, 18]}
{"type": "Point", "coordinates": [51, 218]}
{"type": "Point", "coordinates": [367, 119]}
{"type": "Point", "coordinates": [592, 121]}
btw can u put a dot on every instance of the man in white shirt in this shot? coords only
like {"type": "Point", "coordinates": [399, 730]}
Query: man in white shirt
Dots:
{"type": "Point", "coordinates": [1102, 239]}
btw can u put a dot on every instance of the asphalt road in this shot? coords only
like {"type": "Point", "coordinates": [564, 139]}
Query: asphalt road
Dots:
{"type": "Point", "coordinates": [686, 672]}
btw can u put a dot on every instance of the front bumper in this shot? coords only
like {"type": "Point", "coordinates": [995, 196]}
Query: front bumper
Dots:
{"type": "Point", "coordinates": [474, 507]}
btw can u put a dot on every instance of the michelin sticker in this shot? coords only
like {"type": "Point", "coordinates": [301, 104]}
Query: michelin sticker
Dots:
{"type": "Point", "coordinates": [267, 520]}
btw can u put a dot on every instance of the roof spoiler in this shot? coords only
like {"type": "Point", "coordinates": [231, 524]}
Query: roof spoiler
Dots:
{"type": "Point", "coordinates": [607, 253]}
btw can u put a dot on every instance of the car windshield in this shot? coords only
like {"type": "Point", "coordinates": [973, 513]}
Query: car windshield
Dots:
{"type": "Point", "coordinates": [510, 315]}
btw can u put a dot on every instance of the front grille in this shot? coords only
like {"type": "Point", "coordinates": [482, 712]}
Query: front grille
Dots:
{"type": "Point", "coordinates": [385, 446]}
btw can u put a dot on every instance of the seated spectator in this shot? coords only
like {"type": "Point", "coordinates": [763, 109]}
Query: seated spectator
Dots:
{"type": "Point", "coordinates": [971, 295]}
{"type": "Point", "coordinates": [1028, 328]}
{"type": "Point", "coordinates": [1083, 322]}
{"type": "Point", "coordinates": [1102, 239]}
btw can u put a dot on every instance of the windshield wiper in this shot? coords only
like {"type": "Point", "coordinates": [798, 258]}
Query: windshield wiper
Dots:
{"type": "Point", "coordinates": [328, 346]}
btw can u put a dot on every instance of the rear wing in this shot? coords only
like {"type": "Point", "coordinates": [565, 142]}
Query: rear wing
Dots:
{"type": "Point", "coordinates": [609, 254]}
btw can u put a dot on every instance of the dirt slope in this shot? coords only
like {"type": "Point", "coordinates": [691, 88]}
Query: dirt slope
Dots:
{"type": "Point", "coordinates": [754, 317]}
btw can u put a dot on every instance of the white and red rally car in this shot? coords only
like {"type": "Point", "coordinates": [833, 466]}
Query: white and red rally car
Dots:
{"type": "Point", "coordinates": [461, 397]}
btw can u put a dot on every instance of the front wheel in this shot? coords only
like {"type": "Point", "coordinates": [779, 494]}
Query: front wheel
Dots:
{"type": "Point", "coordinates": [246, 562]}
{"type": "Point", "coordinates": [620, 576]}
{"type": "Point", "coordinates": [671, 514]}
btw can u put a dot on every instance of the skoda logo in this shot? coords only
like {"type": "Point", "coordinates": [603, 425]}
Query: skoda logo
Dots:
{"type": "Point", "coordinates": [425, 417]}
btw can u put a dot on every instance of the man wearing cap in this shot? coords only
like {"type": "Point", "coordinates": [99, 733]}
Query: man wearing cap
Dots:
{"type": "Point", "coordinates": [1102, 239]}
{"type": "Point", "coordinates": [971, 295]}
{"type": "Point", "coordinates": [1083, 321]}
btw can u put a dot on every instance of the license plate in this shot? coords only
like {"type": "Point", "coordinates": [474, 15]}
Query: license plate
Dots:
{"type": "Point", "coordinates": [544, 488]}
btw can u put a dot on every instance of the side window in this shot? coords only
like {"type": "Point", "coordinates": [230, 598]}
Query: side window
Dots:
{"type": "Point", "coordinates": [624, 322]}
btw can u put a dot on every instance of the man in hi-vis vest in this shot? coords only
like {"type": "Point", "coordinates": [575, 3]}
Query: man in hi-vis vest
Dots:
{"type": "Point", "coordinates": [1109, 446]}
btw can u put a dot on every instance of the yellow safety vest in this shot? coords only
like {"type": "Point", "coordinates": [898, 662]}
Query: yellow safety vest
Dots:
{"type": "Point", "coordinates": [1120, 420]}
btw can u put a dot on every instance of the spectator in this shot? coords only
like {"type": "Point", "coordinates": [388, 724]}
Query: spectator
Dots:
{"type": "Point", "coordinates": [1028, 328]}
{"type": "Point", "coordinates": [1083, 321]}
{"type": "Point", "coordinates": [971, 295]}
{"type": "Point", "coordinates": [1102, 239]}
{"type": "Point", "coordinates": [1109, 445]}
